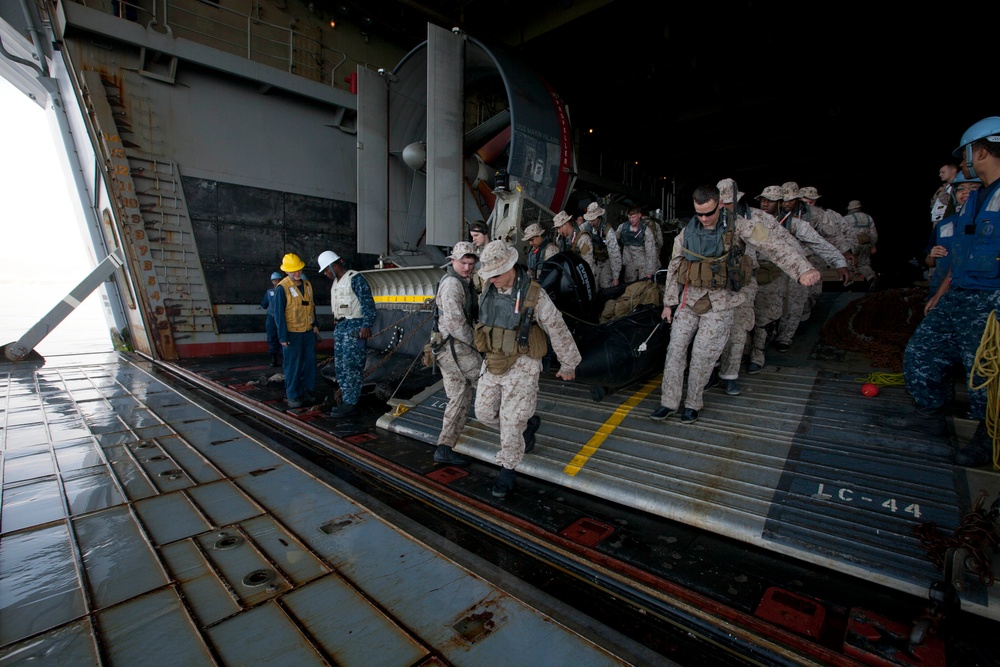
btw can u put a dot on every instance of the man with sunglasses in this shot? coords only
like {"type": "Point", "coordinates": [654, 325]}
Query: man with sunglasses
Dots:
{"type": "Point", "coordinates": [704, 283]}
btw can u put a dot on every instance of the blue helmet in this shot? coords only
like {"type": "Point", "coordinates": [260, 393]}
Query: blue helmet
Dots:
{"type": "Point", "coordinates": [960, 178]}
{"type": "Point", "coordinates": [276, 276]}
{"type": "Point", "coordinates": [987, 128]}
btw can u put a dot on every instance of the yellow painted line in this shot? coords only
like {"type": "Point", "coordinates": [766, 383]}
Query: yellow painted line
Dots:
{"type": "Point", "coordinates": [620, 413]}
{"type": "Point", "coordinates": [403, 299]}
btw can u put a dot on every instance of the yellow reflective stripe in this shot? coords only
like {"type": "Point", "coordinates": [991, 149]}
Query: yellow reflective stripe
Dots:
{"type": "Point", "coordinates": [620, 413]}
{"type": "Point", "coordinates": [403, 299]}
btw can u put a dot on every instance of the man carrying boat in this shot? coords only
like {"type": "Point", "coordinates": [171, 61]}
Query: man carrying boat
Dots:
{"type": "Point", "coordinates": [295, 318]}
{"type": "Point", "coordinates": [705, 277]}
{"type": "Point", "coordinates": [540, 248]}
{"type": "Point", "coordinates": [744, 317]}
{"type": "Point", "coordinates": [607, 255]}
{"type": "Point", "coordinates": [824, 246]}
{"type": "Point", "coordinates": [956, 317]}
{"type": "Point", "coordinates": [455, 353]}
{"type": "Point", "coordinates": [571, 238]}
{"type": "Point", "coordinates": [515, 315]}
{"type": "Point", "coordinates": [353, 310]}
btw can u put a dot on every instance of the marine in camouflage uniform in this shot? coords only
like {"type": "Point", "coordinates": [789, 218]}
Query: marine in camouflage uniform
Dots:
{"type": "Point", "coordinates": [571, 238]}
{"type": "Point", "coordinates": [829, 225]}
{"type": "Point", "coordinates": [705, 313]}
{"type": "Point", "coordinates": [353, 310]}
{"type": "Point", "coordinates": [456, 304]}
{"type": "Point", "coordinates": [638, 243]}
{"type": "Point", "coordinates": [508, 385]}
{"type": "Point", "coordinates": [608, 258]}
{"type": "Point", "coordinates": [744, 317]}
{"type": "Point", "coordinates": [865, 238]}
{"type": "Point", "coordinates": [796, 218]}
{"type": "Point", "coordinates": [539, 250]}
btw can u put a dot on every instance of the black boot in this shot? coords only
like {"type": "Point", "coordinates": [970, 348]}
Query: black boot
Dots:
{"type": "Point", "coordinates": [445, 454]}
{"type": "Point", "coordinates": [978, 451]}
{"type": "Point", "coordinates": [504, 483]}
{"type": "Point", "coordinates": [713, 379]}
{"type": "Point", "coordinates": [529, 433]}
{"type": "Point", "coordinates": [274, 360]}
{"type": "Point", "coordinates": [929, 421]}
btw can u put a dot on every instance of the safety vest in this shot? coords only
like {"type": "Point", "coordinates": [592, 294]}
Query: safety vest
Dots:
{"type": "Point", "coordinates": [300, 309]}
{"type": "Point", "coordinates": [343, 301]}
{"type": "Point", "coordinates": [507, 328]}
{"type": "Point", "coordinates": [976, 245]}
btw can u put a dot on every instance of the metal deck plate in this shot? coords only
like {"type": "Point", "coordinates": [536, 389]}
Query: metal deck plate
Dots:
{"type": "Point", "coordinates": [795, 464]}
{"type": "Point", "coordinates": [137, 527]}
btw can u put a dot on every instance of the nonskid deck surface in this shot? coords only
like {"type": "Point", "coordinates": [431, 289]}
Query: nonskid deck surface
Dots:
{"type": "Point", "coordinates": [795, 464]}
{"type": "Point", "coordinates": [140, 528]}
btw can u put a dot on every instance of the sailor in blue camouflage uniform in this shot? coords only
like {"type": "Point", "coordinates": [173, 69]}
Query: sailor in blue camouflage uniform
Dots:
{"type": "Point", "coordinates": [956, 318]}
{"type": "Point", "coordinates": [270, 324]}
{"type": "Point", "coordinates": [353, 310]}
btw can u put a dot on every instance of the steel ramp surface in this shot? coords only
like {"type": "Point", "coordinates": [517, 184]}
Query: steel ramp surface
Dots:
{"type": "Point", "coordinates": [140, 528]}
{"type": "Point", "coordinates": [795, 464]}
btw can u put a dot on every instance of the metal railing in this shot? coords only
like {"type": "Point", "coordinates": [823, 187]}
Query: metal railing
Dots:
{"type": "Point", "coordinates": [237, 32]}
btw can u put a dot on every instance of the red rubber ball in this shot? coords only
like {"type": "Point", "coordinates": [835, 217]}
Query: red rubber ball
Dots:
{"type": "Point", "coordinates": [869, 389]}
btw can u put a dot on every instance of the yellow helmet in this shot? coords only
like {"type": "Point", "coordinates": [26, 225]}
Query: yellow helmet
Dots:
{"type": "Point", "coordinates": [291, 262]}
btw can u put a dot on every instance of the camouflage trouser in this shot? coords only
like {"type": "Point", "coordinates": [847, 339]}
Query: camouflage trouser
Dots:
{"type": "Point", "coordinates": [633, 263]}
{"type": "Point", "coordinates": [604, 275]}
{"type": "Point", "coordinates": [768, 307]}
{"type": "Point", "coordinates": [864, 262]}
{"type": "Point", "coordinates": [460, 365]}
{"type": "Point", "coordinates": [813, 294]}
{"type": "Point", "coordinates": [349, 354]}
{"type": "Point", "coordinates": [949, 335]}
{"type": "Point", "coordinates": [798, 297]}
{"type": "Point", "coordinates": [743, 321]}
{"type": "Point", "coordinates": [507, 402]}
{"type": "Point", "coordinates": [710, 332]}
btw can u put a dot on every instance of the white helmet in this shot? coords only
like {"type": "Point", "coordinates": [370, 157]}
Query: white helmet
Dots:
{"type": "Point", "coordinates": [326, 259]}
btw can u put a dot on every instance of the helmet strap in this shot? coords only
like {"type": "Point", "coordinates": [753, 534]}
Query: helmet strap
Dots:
{"type": "Point", "coordinates": [968, 161]}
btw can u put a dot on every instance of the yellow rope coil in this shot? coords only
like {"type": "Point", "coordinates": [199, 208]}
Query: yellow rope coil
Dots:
{"type": "Point", "coordinates": [987, 366]}
{"type": "Point", "coordinates": [882, 379]}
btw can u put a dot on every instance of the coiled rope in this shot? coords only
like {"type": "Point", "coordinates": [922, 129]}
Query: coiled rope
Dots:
{"type": "Point", "coordinates": [882, 379]}
{"type": "Point", "coordinates": [986, 365]}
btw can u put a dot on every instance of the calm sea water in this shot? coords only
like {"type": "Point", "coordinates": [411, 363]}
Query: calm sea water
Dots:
{"type": "Point", "coordinates": [24, 304]}
{"type": "Point", "coordinates": [43, 255]}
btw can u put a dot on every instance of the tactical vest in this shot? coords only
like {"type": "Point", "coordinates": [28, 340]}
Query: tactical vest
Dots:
{"type": "Point", "coordinates": [862, 223]}
{"type": "Point", "coordinates": [299, 307]}
{"type": "Point", "coordinates": [628, 237]}
{"type": "Point", "coordinates": [470, 307]}
{"type": "Point", "coordinates": [599, 244]}
{"type": "Point", "coordinates": [535, 256]}
{"type": "Point", "coordinates": [728, 271]}
{"type": "Point", "coordinates": [507, 328]}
